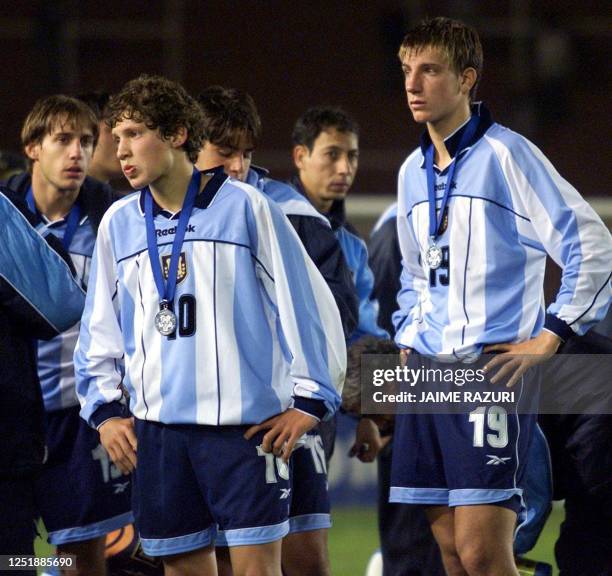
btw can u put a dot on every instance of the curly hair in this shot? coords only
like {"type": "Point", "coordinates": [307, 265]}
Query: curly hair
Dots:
{"type": "Point", "coordinates": [160, 104]}
{"type": "Point", "coordinates": [229, 113]}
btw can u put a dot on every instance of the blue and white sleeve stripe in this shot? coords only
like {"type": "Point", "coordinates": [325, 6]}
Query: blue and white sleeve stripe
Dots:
{"type": "Point", "coordinates": [308, 313]}
{"type": "Point", "coordinates": [567, 227]}
{"type": "Point", "coordinates": [99, 350]}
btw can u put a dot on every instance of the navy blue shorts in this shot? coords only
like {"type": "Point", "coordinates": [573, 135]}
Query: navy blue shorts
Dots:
{"type": "Point", "coordinates": [191, 479]}
{"type": "Point", "coordinates": [466, 458]}
{"type": "Point", "coordinates": [80, 494]}
{"type": "Point", "coordinates": [309, 497]}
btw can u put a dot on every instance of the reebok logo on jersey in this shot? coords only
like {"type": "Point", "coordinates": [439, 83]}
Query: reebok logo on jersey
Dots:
{"type": "Point", "coordinates": [181, 272]}
{"type": "Point", "coordinates": [171, 231]}
{"type": "Point", "coordinates": [442, 186]}
{"type": "Point", "coordinates": [285, 492]}
{"type": "Point", "coordinates": [496, 460]}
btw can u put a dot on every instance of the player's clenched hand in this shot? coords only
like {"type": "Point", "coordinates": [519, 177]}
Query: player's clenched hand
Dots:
{"type": "Point", "coordinates": [516, 359]}
{"type": "Point", "coordinates": [119, 439]}
{"type": "Point", "coordinates": [284, 431]}
{"type": "Point", "coordinates": [368, 442]}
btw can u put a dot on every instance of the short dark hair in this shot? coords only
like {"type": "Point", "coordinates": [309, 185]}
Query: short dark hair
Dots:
{"type": "Point", "coordinates": [97, 101]}
{"type": "Point", "coordinates": [228, 113]}
{"type": "Point", "coordinates": [319, 118]}
{"type": "Point", "coordinates": [459, 43]}
{"type": "Point", "coordinates": [160, 104]}
{"type": "Point", "coordinates": [47, 111]}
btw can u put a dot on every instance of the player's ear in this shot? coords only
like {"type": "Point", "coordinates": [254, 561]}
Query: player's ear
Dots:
{"type": "Point", "coordinates": [179, 137]}
{"type": "Point", "coordinates": [32, 150]}
{"type": "Point", "coordinates": [299, 152]}
{"type": "Point", "coordinates": [468, 79]}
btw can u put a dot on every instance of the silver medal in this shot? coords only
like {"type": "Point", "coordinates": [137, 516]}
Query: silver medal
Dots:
{"type": "Point", "coordinates": [165, 321]}
{"type": "Point", "coordinates": [433, 256]}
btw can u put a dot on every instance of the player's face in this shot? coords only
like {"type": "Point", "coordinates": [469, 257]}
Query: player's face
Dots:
{"type": "Point", "coordinates": [436, 94]}
{"type": "Point", "coordinates": [105, 164]}
{"type": "Point", "coordinates": [327, 172]}
{"type": "Point", "coordinates": [144, 156]}
{"type": "Point", "coordinates": [62, 158]}
{"type": "Point", "coordinates": [235, 158]}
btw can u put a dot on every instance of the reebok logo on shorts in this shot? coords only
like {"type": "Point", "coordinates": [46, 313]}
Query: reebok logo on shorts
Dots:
{"type": "Point", "coordinates": [496, 460]}
{"type": "Point", "coordinates": [120, 487]}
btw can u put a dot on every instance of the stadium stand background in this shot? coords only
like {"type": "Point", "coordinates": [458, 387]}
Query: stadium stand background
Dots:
{"type": "Point", "coordinates": [546, 73]}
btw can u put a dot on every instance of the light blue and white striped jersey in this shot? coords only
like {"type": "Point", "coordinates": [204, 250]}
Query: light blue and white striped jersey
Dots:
{"type": "Point", "coordinates": [258, 328]}
{"type": "Point", "coordinates": [508, 208]}
{"type": "Point", "coordinates": [55, 357]}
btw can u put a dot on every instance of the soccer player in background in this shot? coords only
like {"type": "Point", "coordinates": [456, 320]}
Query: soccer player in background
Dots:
{"type": "Point", "coordinates": [479, 207]}
{"type": "Point", "coordinates": [81, 495]}
{"type": "Point", "coordinates": [232, 130]}
{"type": "Point", "coordinates": [326, 156]}
{"type": "Point", "coordinates": [39, 298]}
{"type": "Point", "coordinates": [232, 340]}
{"type": "Point", "coordinates": [104, 165]}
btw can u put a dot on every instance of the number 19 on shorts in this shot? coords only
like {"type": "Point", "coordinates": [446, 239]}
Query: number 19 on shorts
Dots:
{"type": "Point", "coordinates": [495, 419]}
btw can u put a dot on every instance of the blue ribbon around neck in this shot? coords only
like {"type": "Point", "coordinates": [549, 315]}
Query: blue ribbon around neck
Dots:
{"type": "Point", "coordinates": [166, 290]}
{"type": "Point", "coordinates": [435, 220]}
{"type": "Point", "coordinates": [72, 220]}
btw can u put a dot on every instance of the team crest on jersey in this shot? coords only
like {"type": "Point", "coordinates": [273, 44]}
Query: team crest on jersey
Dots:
{"type": "Point", "coordinates": [181, 272]}
{"type": "Point", "coordinates": [444, 224]}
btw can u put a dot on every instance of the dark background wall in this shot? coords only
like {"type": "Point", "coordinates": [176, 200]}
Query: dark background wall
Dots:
{"type": "Point", "coordinates": [546, 73]}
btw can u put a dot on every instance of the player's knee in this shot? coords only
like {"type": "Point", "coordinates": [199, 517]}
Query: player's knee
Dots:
{"type": "Point", "coordinates": [452, 564]}
{"type": "Point", "coordinates": [446, 543]}
{"type": "Point", "coordinates": [478, 560]}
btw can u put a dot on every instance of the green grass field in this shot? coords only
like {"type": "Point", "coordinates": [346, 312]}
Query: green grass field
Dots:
{"type": "Point", "coordinates": [354, 537]}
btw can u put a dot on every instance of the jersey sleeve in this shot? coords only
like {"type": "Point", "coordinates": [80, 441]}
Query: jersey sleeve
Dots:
{"type": "Point", "coordinates": [324, 249]}
{"type": "Point", "coordinates": [571, 233]}
{"type": "Point", "coordinates": [99, 351]}
{"type": "Point", "coordinates": [412, 280]}
{"type": "Point", "coordinates": [307, 311]}
{"type": "Point", "coordinates": [37, 287]}
{"type": "Point", "coordinates": [368, 305]}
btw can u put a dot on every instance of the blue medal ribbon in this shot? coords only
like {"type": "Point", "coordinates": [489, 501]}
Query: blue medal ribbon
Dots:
{"type": "Point", "coordinates": [166, 290]}
{"type": "Point", "coordinates": [435, 221]}
{"type": "Point", "coordinates": [72, 220]}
